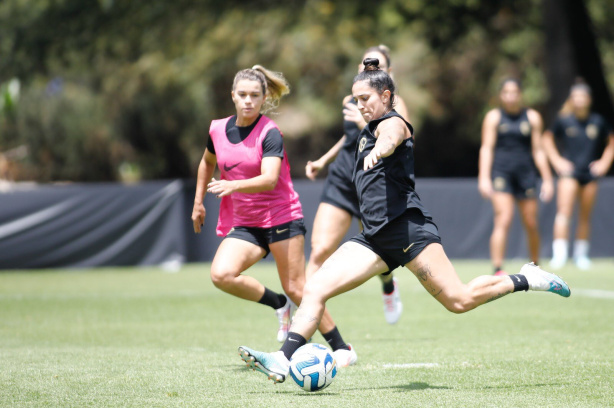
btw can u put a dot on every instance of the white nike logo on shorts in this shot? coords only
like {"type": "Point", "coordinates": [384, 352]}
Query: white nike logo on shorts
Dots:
{"type": "Point", "coordinates": [281, 231]}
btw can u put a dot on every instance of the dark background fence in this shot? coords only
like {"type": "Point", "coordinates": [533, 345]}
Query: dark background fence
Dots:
{"type": "Point", "coordinates": [105, 224]}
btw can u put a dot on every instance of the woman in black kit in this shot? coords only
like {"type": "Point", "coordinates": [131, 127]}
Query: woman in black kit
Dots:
{"type": "Point", "coordinates": [339, 203]}
{"type": "Point", "coordinates": [511, 149]}
{"type": "Point", "coordinates": [397, 231]}
{"type": "Point", "coordinates": [580, 162]}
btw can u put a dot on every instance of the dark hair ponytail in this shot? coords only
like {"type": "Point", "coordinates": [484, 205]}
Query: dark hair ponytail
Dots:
{"type": "Point", "coordinates": [377, 78]}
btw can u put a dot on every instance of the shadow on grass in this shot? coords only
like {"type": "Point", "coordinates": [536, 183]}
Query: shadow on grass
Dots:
{"type": "Point", "coordinates": [415, 386]}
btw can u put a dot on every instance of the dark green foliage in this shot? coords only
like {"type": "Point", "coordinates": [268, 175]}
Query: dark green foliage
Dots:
{"type": "Point", "coordinates": [108, 82]}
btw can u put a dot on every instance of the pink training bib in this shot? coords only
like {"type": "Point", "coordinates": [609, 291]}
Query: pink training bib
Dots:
{"type": "Point", "coordinates": [243, 161]}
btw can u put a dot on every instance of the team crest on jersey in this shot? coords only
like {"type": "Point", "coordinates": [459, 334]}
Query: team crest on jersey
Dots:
{"type": "Point", "coordinates": [499, 183]}
{"type": "Point", "coordinates": [592, 131]}
{"type": "Point", "coordinates": [504, 127]}
{"type": "Point", "coordinates": [525, 128]}
{"type": "Point", "coordinates": [571, 131]}
{"type": "Point", "coordinates": [362, 144]}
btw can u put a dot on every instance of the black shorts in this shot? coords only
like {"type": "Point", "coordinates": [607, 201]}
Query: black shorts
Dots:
{"type": "Point", "coordinates": [401, 240]}
{"type": "Point", "coordinates": [522, 184]}
{"type": "Point", "coordinates": [341, 194]}
{"type": "Point", "coordinates": [583, 176]}
{"type": "Point", "coordinates": [265, 236]}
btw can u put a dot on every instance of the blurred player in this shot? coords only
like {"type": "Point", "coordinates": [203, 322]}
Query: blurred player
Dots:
{"type": "Point", "coordinates": [397, 231]}
{"type": "Point", "coordinates": [581, 134]}
{"type": "Point", "coordinates": [339, 202]}
{"type": "Point", "coordinates": [260, 212]}
{"type": "Point", "coordinates": [511, 149]}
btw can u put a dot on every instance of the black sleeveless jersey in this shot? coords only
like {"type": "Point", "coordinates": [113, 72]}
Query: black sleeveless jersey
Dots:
{"type": "Point", "coordinates": [581, 142]}
{"type": "Point", "coordinates": [386, 191]}
{"type": "Point", "coordinates": [513, 147]}
{"type": "Point", "coordinates": [343, 165]}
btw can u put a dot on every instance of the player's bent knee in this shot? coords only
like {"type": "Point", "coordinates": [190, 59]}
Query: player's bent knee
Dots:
{"type": "Point", "coordinates": [313, 291]}
{"type": "Point", "coordinates": [222, 279]}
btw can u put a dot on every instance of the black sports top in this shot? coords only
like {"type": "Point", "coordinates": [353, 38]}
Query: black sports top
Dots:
{"type": "Point", "coordinates": [387, 190]}
{"type": "Point", "coordinates": [344, 162]}
{"type": "Point", "coordinates": [513, 146]}
{"type": "Point", "coordinates": [581, 142]}
{"type": "Point", "coordinates": [272, 145]}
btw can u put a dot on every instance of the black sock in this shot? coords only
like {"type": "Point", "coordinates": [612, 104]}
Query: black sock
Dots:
{"type": "Point", "coordinates": [292, 343]}
{"type": "Point", "coordinates": [275, 300]}
{"type": "Point", "coordinates": [497, 269]}
{"type": "Point", "coordinates": [520, 282]}
{"type": "Point", "coordinates": [388, 287]}
{"type": "Point", "coordinates": [334, 340]}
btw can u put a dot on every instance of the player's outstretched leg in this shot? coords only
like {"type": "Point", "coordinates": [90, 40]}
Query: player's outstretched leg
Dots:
{"type": "Point", "coordinates": [274, 365]}
{"type": "Point", "coordinates": [540, 280]}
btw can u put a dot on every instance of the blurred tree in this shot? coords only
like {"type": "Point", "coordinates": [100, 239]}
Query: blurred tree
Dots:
{"type": "Point", "coordinates": [112, 85]}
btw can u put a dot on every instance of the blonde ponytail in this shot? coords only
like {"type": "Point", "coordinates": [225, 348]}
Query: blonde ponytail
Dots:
{"type": "Point", "coordinates": [276, 88]}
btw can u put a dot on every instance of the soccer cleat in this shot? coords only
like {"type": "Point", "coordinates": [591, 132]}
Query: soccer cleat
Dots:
{"type": "Point", "coordinates": [500, 273]}
{"type": "Point", "coordinates": [345, 358]}
{"type": "Point", "coordinates": [284, 315]}
{"type": "Point", "coordinates": [539, 279]}
{"type": "Point", "coordinates": [582, 262]}
{"type": "Point", "coordinates": [274, 365]}
{"type": "Point", "coordinates": [392, 304]}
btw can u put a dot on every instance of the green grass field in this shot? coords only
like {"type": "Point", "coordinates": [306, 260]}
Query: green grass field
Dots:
{"type": "Point", "coordinates": [144, 338]}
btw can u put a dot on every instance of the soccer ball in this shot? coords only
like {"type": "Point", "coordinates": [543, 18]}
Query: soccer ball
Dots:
{"type": "Point", "coordinates": [313, 367]}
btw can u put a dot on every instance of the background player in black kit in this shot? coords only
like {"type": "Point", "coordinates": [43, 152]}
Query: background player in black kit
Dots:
{"type": "Point", "coordinates": [579, 162]}
{"type": "Point", "coordinates": [339, 203]}
{"type": "Point", "coordinates": [397, 231]}
{"type": "Point", "coordinates": [511, 149]}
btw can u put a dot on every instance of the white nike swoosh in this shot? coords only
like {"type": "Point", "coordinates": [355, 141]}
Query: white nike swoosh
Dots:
{"type": "Point", "coordinates": [283, 230]}
{"type": "Point", "coordinates": [517, 278]}
{"type": "Point", "coordinates": [296, 341]}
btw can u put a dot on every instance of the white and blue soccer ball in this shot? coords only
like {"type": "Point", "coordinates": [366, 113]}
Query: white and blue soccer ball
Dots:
{"type": "Point", "coordinates": [313, 367]}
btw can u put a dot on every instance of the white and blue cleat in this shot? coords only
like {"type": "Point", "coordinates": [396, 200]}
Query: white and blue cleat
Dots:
{"type": "Point", "coordinates": [541, 280]}
{"type": "Point", "coordinates": [274, 365]}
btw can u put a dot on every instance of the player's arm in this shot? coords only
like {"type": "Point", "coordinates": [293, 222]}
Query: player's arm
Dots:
{"type": "Point", "coordinates": [389, 134]}
{"type": "Point", "coordinates": [487, 152]}
{"type": "Point", "coordinates": [313, 167]}
{"type": "Point", "coordinates": [204, 175]}
{"type": "Point", "coordinates": [270, 167]}
{"type": "Point", "coordinates": [539, 156]}
{"type": "Point", "coordinates": [600, 167]}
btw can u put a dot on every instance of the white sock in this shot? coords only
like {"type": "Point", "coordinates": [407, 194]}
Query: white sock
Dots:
{"type": "Point", "coordinates": [580, 248]}
{"type": "Point", "coordinates": [559, 249]}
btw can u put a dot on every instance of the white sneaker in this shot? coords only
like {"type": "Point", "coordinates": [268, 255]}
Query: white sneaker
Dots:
{"type": "Point", "coordinates": [345, 358]}
{"type": "Point", "coordinates": [583, 263]}
{"type": "Point", "coordinates": [274, 365]}
{"type": "Point", "coordinates": [539, 279]}
{"type": "Point", "coordinates": [284, 316]}
{"type": "Point", "coordinates": [392, 304]}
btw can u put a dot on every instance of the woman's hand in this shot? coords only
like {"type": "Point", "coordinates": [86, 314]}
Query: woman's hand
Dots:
{"type": "Point", "coordinates": [563, 167]}
{"type": "Point", "coordinates": [598, 168]}
{"type": "Point", "coordinates": [313, 168]}
{"type": "Point", "coordinates": [372, 159]}
{"type": "Point", "coordinates": [198, 217]}
{"type": "Point", "coordinates": [221, 188]}
{"type": "Point", "coordinates": [352, 114]}
{"type": "Point", "coordinates": [547, 191]}
{"type": "Point", "coordinates": [485, 188]}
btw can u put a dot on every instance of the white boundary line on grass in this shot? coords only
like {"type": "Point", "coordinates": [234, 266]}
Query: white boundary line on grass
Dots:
{"type": "Point", "coordinates": [412, 365]}
{"type": "Point", "coordinates": [593, 293]}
